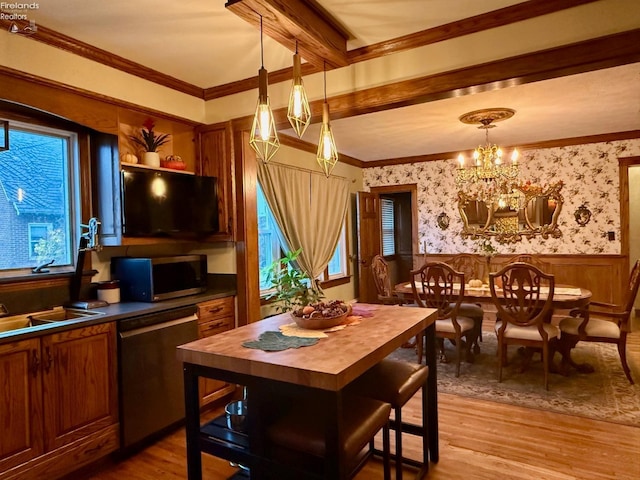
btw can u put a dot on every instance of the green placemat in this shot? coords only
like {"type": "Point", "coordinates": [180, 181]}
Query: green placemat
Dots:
{"type": "Point", "coordinates": [276, 341]}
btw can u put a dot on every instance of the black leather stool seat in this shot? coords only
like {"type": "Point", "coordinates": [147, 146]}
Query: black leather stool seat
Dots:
{"type": "Point", "coordinates": [302, 429]}
{"type": "Point", "coordinates": [391, 381]}
{"type": "Point", "coordinates": [395, 382]}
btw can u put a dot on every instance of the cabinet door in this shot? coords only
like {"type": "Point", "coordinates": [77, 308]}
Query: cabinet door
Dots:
{"type": "Point", "coordinates": [215, 316]}
{"type": "Point", "coordinates": [20, 403]}
{"type": "Point", "coordinates": [215, 159]}
{"type": "Point", "coordinates": [80, 383]}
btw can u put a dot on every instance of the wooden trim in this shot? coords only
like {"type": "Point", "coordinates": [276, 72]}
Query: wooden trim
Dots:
{"type": "Point", "coordinates": [300, 144]}
{"type": "Point", "coordinates": [240, 86]}
{"type": "Point", "coordinates": [602, 52]}
{"type": "Point", "coordinates": [87, 108]}
{"type": "Point", "coordinates": [485, 21]}
{"type": "Point", "coordinates": [77, 47]}
{"type": "Point", "coordinates": [247, 252]}
{"type": "Point", "coordinates": [604, 275]}
{"type": "Point", "coordinates": [562, 142]}
{"type": "Point", "coordinates": [318, 36]}
{"type": "Point", "coordinates": [496, 18]}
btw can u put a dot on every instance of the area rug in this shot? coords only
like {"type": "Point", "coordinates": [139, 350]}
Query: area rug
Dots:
{"type": "Point", "coordinates": [605, 394]}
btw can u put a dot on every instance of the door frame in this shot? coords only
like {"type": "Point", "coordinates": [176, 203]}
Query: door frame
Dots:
{"type": "Point", "coordinates": [624, 164]}
{"type": "Point", "coordinates": [413, 189]}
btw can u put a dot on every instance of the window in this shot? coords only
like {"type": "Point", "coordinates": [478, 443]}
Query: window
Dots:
{"type": "Point", "coordinates": [270, 249]}
{"type": "Point", "coordinates": [388, 226]}
{"type": "Point", "coordinates": [268, 241]}
{"type": "Point", "coordinates": [39, 194]}
{"type": "Point", "coordinates": [38, 235]}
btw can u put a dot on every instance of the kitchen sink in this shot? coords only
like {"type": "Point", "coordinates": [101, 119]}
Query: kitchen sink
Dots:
{"type": "Point", "coordinates": [16, 322]}
{"type": "Point", "coordinates": [62, 314]}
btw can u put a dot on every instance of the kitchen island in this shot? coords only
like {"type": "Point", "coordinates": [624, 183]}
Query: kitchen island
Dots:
{"type": "Point", "coordinates": [322, 370]}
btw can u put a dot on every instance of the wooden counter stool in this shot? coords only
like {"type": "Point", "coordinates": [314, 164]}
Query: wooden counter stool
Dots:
{"type": "Point", "coordinates": [395, 382]}
{"type": "Point", "coordinates": [298, 438]}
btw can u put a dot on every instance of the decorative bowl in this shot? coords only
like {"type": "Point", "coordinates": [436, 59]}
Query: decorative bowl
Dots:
{"type": "Point", "coordinates": [320, 322]}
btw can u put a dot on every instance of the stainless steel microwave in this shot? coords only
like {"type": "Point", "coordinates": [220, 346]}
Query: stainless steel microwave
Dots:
{"type": "Point", "coordinates": [151, 279]}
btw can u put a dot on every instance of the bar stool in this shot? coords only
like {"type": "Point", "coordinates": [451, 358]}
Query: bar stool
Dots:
{"type": "Point", "coordinates": [298, 438]}
{"type": "Point", "coordinates": [395, 382]}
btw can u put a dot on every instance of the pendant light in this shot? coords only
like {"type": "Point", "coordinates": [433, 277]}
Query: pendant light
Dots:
{"type": "Point", "coordinates": [299, 112]}
{"type": "Point", "coordinates": [327, 155]}
{"type": "Point", "coordinates": [264, 138]}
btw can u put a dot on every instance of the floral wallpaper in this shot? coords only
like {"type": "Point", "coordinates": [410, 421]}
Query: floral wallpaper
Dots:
{"type": "Point", "coordinates": [590, 176]}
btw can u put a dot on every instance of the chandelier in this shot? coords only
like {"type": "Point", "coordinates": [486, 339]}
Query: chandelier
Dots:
{"type": "Point", "coordinates": [489, 178]}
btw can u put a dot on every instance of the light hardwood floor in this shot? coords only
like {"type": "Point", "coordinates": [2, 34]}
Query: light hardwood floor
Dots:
{"type": "Point", "coordinates": [478, 440]}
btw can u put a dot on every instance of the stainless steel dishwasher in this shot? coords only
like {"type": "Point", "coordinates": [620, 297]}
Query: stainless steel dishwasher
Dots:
{"type": "Point", "coordinates": [150, 376]}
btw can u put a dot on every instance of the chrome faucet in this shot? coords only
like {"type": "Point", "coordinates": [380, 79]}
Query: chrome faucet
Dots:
{"type": "Point", "coordinates": [91, 240]}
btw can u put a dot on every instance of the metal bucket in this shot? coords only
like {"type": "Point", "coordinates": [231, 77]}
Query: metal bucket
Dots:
{"type": "Point", "coordinates": [237, 415]}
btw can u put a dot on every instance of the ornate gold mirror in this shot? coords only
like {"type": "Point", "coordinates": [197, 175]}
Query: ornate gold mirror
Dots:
{"type": "Point", "coordinates": [527, 211]}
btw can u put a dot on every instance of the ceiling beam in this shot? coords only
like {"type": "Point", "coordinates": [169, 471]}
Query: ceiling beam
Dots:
{"type": "Point", "coordinates": [320, 38]}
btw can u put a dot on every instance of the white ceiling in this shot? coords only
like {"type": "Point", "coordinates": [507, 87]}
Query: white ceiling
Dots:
{"type": "Point", "coordinates": [202, 43]}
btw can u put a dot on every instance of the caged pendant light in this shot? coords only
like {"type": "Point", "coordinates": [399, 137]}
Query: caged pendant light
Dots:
{"type": "Point", "coordinates": [327, 154]}
{"type": "Point", "coordinates": [264, 138]}
{"type": "Point", "coordinates": [298, 112]}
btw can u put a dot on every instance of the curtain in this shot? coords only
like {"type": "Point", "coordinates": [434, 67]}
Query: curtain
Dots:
{"type": "Point", "coordinates": [309, 209]}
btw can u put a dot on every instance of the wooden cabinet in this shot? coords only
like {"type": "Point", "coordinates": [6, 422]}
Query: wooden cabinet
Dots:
{"type": "Point", "coordinates": [59, 403]}
{"type": "Point", "coordinates": [215, 316]}
{"type": "Point", "coordinates": [215, 159]}
{"type": "Point", "coordinates": [21, 403]}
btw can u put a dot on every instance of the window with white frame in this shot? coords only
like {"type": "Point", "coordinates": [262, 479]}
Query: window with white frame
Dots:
{"type": "Point", "coordinates": [387, 219]}
{"type": "Point", "coordinates": [270, 249]}
{"type": "Point", "coordinates": [40, 193]}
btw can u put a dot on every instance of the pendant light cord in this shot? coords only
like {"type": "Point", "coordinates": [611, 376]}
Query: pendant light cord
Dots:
{"type": "Point", "coordinates": [261, 46]}
{"type": "Point", "coordinates": [324, 70]}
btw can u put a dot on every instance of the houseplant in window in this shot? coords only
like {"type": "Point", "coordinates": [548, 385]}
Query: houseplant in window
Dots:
{"type": "Point", "coordinates": [150, 141]}
{"type": "Point", "coordinates": [293, 292]}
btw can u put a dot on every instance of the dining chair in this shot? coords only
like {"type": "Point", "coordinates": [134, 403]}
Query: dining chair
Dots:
{"type": "Point", "coordinates": [298, 438]}
{"type": "Point", "coordinates": [472, 267]}
{"type": "Point", "coordinates": [437, 285]}
{"type": "Point", "coordinates": [382, 280]}
{"type": "Point", "coordinates": [386, 295]}
{"type": "Point", "coordinates": [523, 297]}
{"type": "Point", "coordinates": [396, 382]}
{"type": "Point", "coordinates": [602, 322]}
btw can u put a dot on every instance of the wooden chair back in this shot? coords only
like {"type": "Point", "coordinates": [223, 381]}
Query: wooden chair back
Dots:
{"type": "Point", "coordinates": [471, 265]}
{"type": "Point", "coordinates": [531, 260]}
{"type": "Point", "coordinates": [632, 290]}
{"type": "Point", "coordinates": [521, 300]}
{"type": "Point", "coordinates": [380, 271]}
{"type": "Point", "coordinates": [437, 285]}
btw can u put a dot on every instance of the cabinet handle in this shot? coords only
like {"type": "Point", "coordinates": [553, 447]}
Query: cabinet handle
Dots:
{"type": "Point", "coordinates": [35, 362]}
{"type": "Point", "coordinates": [49, 360]}
{"type": "Point", "coordinates": [217, 324]}
{"type": "Point", "coordinates": [215, 310]}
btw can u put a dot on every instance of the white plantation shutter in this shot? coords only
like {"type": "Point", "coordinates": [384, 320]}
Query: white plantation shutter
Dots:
{"type": "Point", "coordinates": [388, 227]}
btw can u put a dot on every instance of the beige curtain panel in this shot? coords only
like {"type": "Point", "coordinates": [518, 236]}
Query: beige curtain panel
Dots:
{"type": "Point", "coordinates": [309, 209]}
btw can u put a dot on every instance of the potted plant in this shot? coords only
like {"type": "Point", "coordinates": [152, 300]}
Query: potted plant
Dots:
{"type": "Point", "coordinates": [291, 287]}
{"type": "Point", "coordinates": [150, 141]}
{"type": "Point", "coordinates": [293, 292]}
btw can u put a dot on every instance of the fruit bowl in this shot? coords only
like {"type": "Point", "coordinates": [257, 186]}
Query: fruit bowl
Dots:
{"type": "Point", "coordinates": [321, 315]}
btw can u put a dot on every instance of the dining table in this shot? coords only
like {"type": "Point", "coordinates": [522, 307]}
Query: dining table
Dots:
{"type": "Point", "coordinates": [565, 297]}
{"type": "Point", "coordinates": [322, 370]}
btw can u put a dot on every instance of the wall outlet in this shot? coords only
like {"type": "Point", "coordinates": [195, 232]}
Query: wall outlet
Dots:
{"type": "Point", "coordinates": [611, 236]}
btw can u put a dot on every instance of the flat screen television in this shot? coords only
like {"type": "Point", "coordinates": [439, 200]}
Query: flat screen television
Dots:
{"type": "Point", "coordinates": [160, 203]}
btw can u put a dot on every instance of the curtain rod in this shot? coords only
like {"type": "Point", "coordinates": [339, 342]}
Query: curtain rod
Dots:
{"type": "Point", "coordinates": [308, 170]}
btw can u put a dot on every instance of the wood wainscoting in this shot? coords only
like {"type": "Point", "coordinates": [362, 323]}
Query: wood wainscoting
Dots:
{"type": "Point", "coordinates": [604, 275]}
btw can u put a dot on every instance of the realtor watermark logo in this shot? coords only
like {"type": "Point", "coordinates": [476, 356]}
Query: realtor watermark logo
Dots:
{"type": "Point", "coordinates": [18, 15]}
